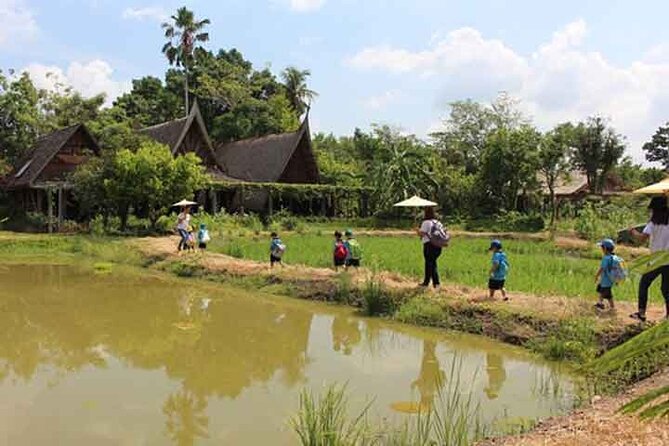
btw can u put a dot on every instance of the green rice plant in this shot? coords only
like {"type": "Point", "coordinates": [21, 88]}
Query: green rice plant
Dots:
{"type": "Point", "coordinates": [343, 291]}
{"type": "Point", "coordinates": [422, 311]}
{"type": "Point", "coordinates": [649, 399]}
{"type": "Point", "coordinates": [633, 360]}
{"type": "Point", "coordinates": [573, 340]}
{"type": "Point", "coordinates": [325, 422]}
{"type": "Point", "coordinates": [374, 300]}
{"type": "Point", "coordinates": [235, 250]}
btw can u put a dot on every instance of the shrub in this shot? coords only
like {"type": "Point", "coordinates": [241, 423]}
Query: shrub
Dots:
{"type": "Point", "coordinates": [234, 249]}
{"type": "Point", "coordinates": [374, 301]}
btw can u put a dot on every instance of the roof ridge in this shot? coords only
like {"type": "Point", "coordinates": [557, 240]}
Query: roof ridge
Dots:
{"type": "Point", "coordinates": [173, 121]}
{"type": "Point", "coordinates": [254, 138]}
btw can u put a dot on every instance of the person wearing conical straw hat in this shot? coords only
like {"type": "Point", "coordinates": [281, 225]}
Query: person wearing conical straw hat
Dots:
{"type": "Point", "coordinates": [657, 233]}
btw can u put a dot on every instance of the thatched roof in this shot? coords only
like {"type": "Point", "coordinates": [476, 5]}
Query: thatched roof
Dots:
{"type": "Point", "coordinates": [172, 133]}
{"type": "Point", "coordinates": [264, 159]}
{"type": "Point", "coordinates": [573, 183]}
{"type": "Point", "coordinates": [28, 169]}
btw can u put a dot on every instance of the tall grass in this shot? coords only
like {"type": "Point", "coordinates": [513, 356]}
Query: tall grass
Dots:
{"type": "Point", "coordinates": [536, 267]}
{"type": "Point", "coordinates": [452, 420]}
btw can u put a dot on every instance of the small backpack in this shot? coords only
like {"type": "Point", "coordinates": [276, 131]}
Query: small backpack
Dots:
{"type": "Point", "coordinates": [279, 250]}
{"type": "Point", "coordinates": [617, 270]}
{"type": "Point", "coordinates": [439, 236]}
{"type": "Point", "coordinates": [356, 250]}
{"type": "Point", "coordinates": [340, 252]}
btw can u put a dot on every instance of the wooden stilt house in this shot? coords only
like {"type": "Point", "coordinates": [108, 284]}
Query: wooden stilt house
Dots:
{"type": "Point", "coordinates": [40, 180]}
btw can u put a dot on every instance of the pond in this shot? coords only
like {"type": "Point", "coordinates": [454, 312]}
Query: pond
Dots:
{"type": "Point", "coordinates": [139, 359]}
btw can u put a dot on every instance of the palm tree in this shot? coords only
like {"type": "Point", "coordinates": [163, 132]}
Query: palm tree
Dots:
{"type": "Point", "coordinates": [182, 35]}
{"type": "Point", "coordinates": [299, 95]}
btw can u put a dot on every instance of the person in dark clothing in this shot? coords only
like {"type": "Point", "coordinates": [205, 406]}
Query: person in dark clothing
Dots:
{"type": "Point", "coordinates": [656, 233]}
{"type": "Point", "coordinates": [430, 252]}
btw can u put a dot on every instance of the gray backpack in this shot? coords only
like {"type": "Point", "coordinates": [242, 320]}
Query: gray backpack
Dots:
{"type": "Point", "coordinates": [439, 236]}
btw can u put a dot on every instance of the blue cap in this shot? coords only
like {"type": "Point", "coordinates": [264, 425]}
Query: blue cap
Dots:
{"type": "Point", "coordinates": [607, 243]}
{"type": "Point", "coordinates": [495, 244]}
{"type": "Point", "coordinates": [203, 226]}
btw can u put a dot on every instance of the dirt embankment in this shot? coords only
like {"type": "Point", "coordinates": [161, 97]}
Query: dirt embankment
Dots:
{"type": "Point", "coordinates": [599, 424]}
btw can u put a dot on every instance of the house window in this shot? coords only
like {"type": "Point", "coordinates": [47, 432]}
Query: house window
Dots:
{"type": "Point", "coordinates": [23, 169]}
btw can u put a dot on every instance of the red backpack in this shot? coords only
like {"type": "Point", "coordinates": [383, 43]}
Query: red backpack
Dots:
{"type": "Point", "coordinates": [340, 252]}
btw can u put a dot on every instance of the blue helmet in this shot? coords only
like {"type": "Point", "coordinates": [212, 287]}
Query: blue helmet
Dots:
{"type": "Point", "coordinates": [607, 244]}
{"type": "Point", "coordinates": [495, 244]}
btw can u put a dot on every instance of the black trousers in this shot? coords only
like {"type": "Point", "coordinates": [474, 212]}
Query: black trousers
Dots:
{"type": "Point", "coordinates": [646, 280]}
{"type": "Point", "coordinates": [431, 254]}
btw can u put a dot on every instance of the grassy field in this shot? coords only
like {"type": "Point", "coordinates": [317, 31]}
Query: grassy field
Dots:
{"type": "Point", "coordinates": [536, 267]}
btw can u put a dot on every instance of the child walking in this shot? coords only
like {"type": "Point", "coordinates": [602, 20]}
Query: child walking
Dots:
{"type": "Point", "coordinates": [498, 270]}
{"type": "Point", "coordinates": [604, 278]}
{"type": "Point", "coordinates": [353, 249]}
{"type": "Point", "coordinates": [276, 250]}
{"type": "Point", "coordinates": [339, 253]}
{"type": "Point", "coordinates": [203, 237]}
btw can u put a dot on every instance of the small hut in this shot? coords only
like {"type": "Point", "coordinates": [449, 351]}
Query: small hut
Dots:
{"type": "Point", "coordinates": [44, 172]}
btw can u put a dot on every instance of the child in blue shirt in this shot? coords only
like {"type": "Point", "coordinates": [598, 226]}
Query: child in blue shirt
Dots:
{"type": "Point", "coordinates": [276, 250]}
{"type": "Point", "coordinates": [203, 237]}
{"type": "Point", "coordinates": [603, 278]}
{"type": "Point", "coordinates": [498, 270]}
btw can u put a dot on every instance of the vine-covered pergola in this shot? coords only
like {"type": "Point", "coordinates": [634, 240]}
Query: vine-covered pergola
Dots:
{"type": "Point", "coordinates": [302, 199]}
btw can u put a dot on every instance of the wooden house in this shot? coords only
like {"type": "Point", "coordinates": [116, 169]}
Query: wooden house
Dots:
{"type": "Point", "coordinates": [40, 180]}
{"type": "Point", "coordinates": [186, 135]}
{"type": "Point", "coordinates": [277, 158]}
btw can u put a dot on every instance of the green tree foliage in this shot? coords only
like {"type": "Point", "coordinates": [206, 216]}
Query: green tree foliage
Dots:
{"type": "Point", "coordinates": [634, 176]}
{"type": "Point", "coordinates": [295, 82]}
{"type": "Point", "coordinates": [657, 149]}
{"type": "Point", "coordinates": [554, 149]}
{"type": "Point", "coordinates": [337, 160]}
{"type": "Point", "coordinates": [21, 121]}
{"type": "Point", "coordinates": [509, 165]}
{"type": "Point", "coordinates": [597, 150]}
{"type": "Point", "coordinates": [150, 102]}
{"type": "Point", "coordinates": [183, 34]}
{"type": "Point", "coordinates": [147, 181]}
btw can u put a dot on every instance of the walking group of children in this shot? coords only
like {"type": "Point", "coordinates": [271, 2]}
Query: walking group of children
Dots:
{"type": "Point", "coordinates": [346, 252]}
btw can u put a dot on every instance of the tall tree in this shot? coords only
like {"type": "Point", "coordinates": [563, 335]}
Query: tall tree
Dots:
{"type": "Point", "coordinates": [657, 149]}
{"type": "Point", "coordinates": [553, 159]}
{"type": "Point", "coordinates": [150, 102]}
{"type": "Point", "coordinates": [183, 35]}
{"type": "Point", "coordinates": [597, 149]}
{"type": "Point", "coordinates": [299, 95]}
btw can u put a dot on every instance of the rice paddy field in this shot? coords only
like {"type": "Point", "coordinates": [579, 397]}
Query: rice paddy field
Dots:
{"type": "Point", "coordinates": [536, 267]}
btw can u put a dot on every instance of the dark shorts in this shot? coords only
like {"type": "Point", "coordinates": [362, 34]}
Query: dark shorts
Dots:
{"type": "Point", "coordinates": [494, 284]}
{"type": "Point", "coordinates": [338, 262]}
{"type": "Point", "coordinates": [202, 246]}
{"type": "Point", "coordinates": [605, 292]}
{"type": "Point", "coordinates": [274, 259]}
{"type": "Point", "coordinates": [353, 262]}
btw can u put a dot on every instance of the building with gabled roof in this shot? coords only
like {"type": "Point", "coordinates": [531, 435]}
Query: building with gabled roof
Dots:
{"type": "Point", "coordinates": [185, 135]}
{"type": "Point", "coordinates": [46, 168]}
{"type": "Point", "coordinates": [277, 158]}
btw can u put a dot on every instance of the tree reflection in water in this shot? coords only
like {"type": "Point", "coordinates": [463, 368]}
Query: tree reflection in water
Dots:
{"type": "Point", "coordinates": [496, 375]}
{"type": "Point", "coordinates": [186, 419]}
{"type": "Point", "coordinates": [345, 334]}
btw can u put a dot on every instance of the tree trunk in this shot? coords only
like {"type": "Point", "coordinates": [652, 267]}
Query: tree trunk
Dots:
{"type": "Point", "coordinates": [186, 89]}
{"type": "Point", "coordinates": [551, 192]}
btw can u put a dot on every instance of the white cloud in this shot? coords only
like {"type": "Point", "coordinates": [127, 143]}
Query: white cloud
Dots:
{"type": "Point", "coordinates": [382, 100]}
{"type": "Point", "coordinates": [559, 81]}
{"type": "Point", "coordinates": [88, 78]}
{"type": "Point", "coordinates": [17, 22]}
{"type": "Point", "coordinates": [302, 5]}
{"type": "Point", "coordinates": [146, 13]}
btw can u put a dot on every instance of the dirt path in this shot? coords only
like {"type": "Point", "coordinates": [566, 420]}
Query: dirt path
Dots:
{"type": "Point", "coordinates": [549, 306]}
{"type": "Point", "coordinates": [599, 424]}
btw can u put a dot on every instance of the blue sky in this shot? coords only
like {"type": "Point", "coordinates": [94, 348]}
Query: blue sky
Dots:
{"type": "Point", "coordinates": [389, 61]}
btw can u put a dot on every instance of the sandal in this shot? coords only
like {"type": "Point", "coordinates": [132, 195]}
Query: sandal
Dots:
{"type": "Point", "coordinates": [600, 306]}
{"type": "Point", "coordinates": [638, 316]}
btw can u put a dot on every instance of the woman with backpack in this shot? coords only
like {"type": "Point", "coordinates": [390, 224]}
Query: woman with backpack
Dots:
{"type": "Point", "coordinates": [657, 232]}
{"type": "Point", "coordinates": [434, 238]}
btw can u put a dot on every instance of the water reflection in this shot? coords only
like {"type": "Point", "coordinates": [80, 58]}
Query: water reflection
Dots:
{"type": "Point", "coordinates": [345, 334]}
{"type": "Point", "coordinates": [215, 366]}
{"type": "Point", "coordinates": [431, 377]}
{"type": "Point", "coordinates": [496, 375]}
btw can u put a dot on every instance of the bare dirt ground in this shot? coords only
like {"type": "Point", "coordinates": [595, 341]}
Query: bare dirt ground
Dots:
{"type": "Point", "coordinates": [550, 306]}
{"type": "Point", "coordinates": [599, 424]}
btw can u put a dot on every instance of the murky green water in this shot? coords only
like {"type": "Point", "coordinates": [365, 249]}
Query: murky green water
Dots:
{"type": "Point", "coordinates": [129, 360]}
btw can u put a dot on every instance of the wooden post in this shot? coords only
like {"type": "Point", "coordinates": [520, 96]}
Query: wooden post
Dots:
{"type": "Point", "coordinates": [49, 206]}
{"type": "Point", "coordinates": [214, 200]}
{"type": "Point", "coordinates": [61, 208]}
{"type": "Point", "coordinates": [270, 204]}
{"type": "Point", "coordinates": [241, 199]}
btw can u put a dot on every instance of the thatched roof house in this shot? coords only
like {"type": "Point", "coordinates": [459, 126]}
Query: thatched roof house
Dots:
{"type": "Point", "coordinates": [185, 135]}
{"type": "Point", "coordinates": [45, 170]}
{"type": "Point", "coordinates": [52, 158]}
{"type": "Point", "coordinates": [278, 158]}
